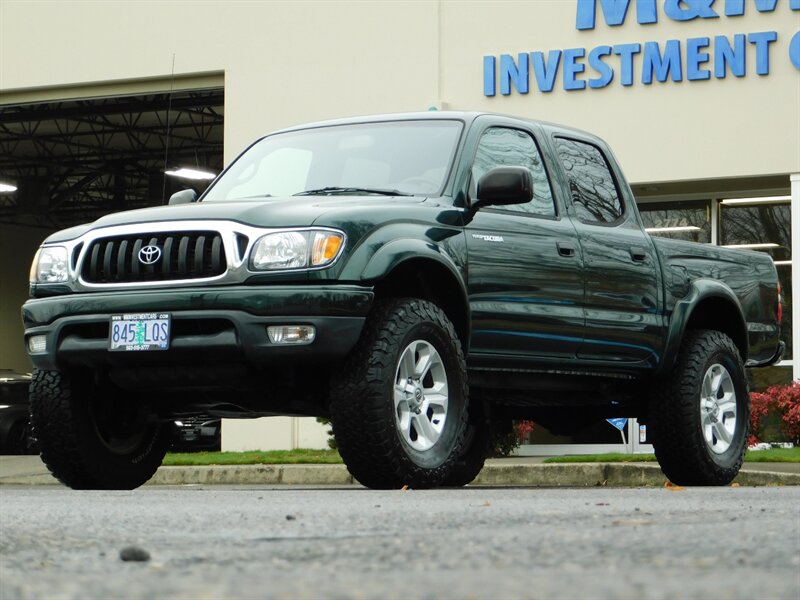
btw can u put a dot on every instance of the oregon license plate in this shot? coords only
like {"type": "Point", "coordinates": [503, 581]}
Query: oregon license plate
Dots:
{"type": "Point", "coordinates": [139, 332]}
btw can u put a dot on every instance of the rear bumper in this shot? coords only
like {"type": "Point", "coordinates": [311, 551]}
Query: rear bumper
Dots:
{"type": "Point", "coordinates": [778, 354]}
{"type": "Point", "coordinates": [209, 325]}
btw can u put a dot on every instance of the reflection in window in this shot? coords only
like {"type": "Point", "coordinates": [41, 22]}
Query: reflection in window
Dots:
{"type": "Point", "coordinates": [690, 221]}
{"type": "Point", "coordinates": [765, 227]}
{"type": "Point", "coordinates": [592, 188]}
{"type": "Point", "coordinates": [502, 147]}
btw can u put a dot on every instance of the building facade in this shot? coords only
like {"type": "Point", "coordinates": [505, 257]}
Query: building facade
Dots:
{"type": "Point", "coordinates": [700, 100]}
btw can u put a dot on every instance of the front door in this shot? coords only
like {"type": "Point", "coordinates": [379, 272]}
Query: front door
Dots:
{"type": "Point", "coordinates": [525, 272]}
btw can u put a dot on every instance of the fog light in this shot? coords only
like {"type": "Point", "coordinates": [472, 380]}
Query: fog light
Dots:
{"type": "Point", "coordinates": [291, 334]}
{"type": "Point", "coordinates": [37, 344]}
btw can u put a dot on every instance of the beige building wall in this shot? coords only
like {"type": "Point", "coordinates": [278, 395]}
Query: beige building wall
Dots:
{"type": "Point", "coordinates": [292, 62]}
{"type": "Point", "coordinates": [17, 247]}
{"type": "Point", "coordinates": [273, 433]}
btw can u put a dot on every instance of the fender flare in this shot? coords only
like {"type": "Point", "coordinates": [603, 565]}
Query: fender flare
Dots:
{"type": "Point", "coordinates": [401, 251]}
{"type": "Point", "coordinates": [700, 291]}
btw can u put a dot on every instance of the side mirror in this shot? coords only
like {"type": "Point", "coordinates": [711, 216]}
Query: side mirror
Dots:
{"type": "Point", "coordinates": [504, 185]}
{"type": "Point", "coordinates": [183, 197]}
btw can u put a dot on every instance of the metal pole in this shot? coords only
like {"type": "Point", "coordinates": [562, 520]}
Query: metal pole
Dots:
{"type": "Point", "coordinates": [795, 211]}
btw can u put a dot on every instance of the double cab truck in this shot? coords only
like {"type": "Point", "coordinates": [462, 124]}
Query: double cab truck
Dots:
{"type": "Point", "coordinates": [418, 279]}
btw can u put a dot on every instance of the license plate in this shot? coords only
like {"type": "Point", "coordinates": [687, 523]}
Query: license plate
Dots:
{"type": "Point", "coordinates": [139, 332]}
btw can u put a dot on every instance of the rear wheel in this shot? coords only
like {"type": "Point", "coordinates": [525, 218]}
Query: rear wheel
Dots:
{"type": "Point", "coordinates": [399, 407]}
{"type": "Point", "coordinates": [701, 412]}
{"type": "Point", "coordinates": [94, 438]}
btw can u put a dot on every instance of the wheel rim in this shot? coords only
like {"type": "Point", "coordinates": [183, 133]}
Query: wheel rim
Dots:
{"type": "Point", "coordinates": [122, 428]}
{"type": "Point", "coordinates": [420, 395]}
{"type": "Point", "coordinates": [718, 409]}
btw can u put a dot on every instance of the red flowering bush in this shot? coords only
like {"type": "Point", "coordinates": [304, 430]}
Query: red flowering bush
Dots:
{"type": "Point", "coordinates": [781, 403]}
{"type": "Point", "coordinates": [506, 440]}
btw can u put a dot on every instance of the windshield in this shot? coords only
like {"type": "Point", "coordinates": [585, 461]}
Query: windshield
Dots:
{"type": "Point", "coordinates": [398, 158]}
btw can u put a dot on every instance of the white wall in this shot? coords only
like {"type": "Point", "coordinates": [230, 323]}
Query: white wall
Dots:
{"type": "Point", "coordinates": [273, 433]}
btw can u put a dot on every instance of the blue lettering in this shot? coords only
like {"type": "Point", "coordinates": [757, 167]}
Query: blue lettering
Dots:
{"type": "Point", "coordinates": [735, 8]}
{"type": "Point", "coordinates": [489, 70]}
{"type": "Point", "coordinates": [510, 72]}
{"type": "Point", "coordinates": [695, 58]}
{"type": "Point", "coordinates": [614, 12]}
{"type": "Point", "coordinates": [761, 41]}
{"type": "Point", "coordinates": [669, 64]}
{"type": "Point", "coordinates": [687, 10]}
{"type": "Point", "coordinates": [545, 72]}
{"type": "Point", "coordinates": [626, 52]}
{"type": "Point", "coordinates": [596, 62]}
{"type": "Point", "coordinates": [572, 68]}
{"type": "Point", "coordinates": [727, 56]}
{"type": "Point", "coordinates": [794, 50]}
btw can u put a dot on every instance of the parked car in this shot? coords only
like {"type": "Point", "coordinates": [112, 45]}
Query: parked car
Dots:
{"type": "Point", "coordinates": [15, 427]}
{"type": "Point", "coordinates": [197, 433]}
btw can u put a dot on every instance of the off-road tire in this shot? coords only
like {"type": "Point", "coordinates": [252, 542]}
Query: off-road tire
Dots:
{"type": "Point", "coordinates": [71, 445]}
{"type": "Point", "coordinates": [474, 450]}
{"type": "Point", "coordinates": [683, 452]}
{"type": "Point", "coordinates": [362, 409]}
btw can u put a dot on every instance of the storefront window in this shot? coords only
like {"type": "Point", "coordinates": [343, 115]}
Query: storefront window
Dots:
{"type": "Point", "coordinates": [764, 227]}
{"type": "Point", "coordinates": [689, 221]}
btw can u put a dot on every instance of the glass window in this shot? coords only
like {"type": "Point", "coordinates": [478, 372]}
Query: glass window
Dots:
{"type": "Point", "coordinates": [592, 187]}
{"type": "Point", "coordinates": [410, 157]}
{"type": "Point", "coordinates": [503, 147]}
{"type": "Point", "coordinates": [690, 221]}
{"type": "Point", "coordinates": [764, 227]}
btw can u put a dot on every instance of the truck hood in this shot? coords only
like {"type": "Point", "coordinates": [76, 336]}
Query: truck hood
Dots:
{"type": "Point", "coordinates": [296, 211]}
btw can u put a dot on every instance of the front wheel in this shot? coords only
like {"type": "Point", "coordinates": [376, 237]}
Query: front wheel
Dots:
{"type": "Point", "coordinates": [93, 437]}
{"type": "Point", "coordinates": [399, 407]}
{"type": "Point", "coordinates": [701, 412]}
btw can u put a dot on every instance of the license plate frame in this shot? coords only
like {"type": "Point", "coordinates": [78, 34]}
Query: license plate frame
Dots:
{"type": "Point", "coordinates": [139, 332]}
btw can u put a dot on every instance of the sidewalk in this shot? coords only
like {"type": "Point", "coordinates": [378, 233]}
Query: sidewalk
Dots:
{"type": "Point", "coordinates": [516, 471]}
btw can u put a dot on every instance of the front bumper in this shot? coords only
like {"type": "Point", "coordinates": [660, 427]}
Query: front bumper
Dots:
{"type": "Point", "coordinates": [208, 324]}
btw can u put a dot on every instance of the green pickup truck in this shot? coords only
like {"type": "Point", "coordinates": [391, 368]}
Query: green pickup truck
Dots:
{"type": "Point", "coordinates": [415, 278]}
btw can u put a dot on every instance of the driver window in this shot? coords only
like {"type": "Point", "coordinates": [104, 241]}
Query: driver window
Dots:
{"type": "Point", "coordinates": [503, 147]}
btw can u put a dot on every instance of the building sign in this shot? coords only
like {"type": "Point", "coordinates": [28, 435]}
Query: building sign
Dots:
{"type": "Point", "coordinates": [692, 59]}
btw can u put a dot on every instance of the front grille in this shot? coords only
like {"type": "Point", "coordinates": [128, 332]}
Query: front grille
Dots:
{"type": "Point", "coordinates": [184, 255]}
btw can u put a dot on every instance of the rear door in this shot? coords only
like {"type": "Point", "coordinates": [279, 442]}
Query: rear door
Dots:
{"type": "Point", "coordinates": [623, 276]}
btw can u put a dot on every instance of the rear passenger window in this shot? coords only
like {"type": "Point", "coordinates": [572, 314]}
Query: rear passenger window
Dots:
{"type": "Point", "coordinates": [504, 147]}
{"type": "Point", "coordinates": [591, 184]}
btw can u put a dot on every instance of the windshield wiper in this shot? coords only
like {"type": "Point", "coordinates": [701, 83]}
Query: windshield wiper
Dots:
{"type": "Point", "coordinates": [331, 190]}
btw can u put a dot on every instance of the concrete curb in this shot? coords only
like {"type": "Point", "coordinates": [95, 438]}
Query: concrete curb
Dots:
{"type": "Point", "coordinates": [523, 475]}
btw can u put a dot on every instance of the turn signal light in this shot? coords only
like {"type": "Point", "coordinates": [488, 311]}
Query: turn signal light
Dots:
{"type": "Point", "coordinates": [326, 247]}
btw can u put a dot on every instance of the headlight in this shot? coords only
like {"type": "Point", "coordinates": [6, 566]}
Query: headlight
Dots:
{"type": "Point", "coordinates": [50, 265]}
{"type": "Point", "coordinates": [296, 250]}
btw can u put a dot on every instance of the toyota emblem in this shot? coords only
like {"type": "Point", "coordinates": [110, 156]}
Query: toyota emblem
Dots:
{"type": "Point", "coordinates": [149, 255]}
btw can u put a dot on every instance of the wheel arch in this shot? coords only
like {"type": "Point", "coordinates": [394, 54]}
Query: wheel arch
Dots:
{"type": "Point", "coordinates": [421, 272]}
{"type": "Point", "coordinates": [710, 305]}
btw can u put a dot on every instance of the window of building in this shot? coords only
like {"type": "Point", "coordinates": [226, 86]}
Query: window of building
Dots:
{"type": "Point", "coordinates": [764, 226]}
{"type": "Point", "coordinates": [504, 147]}
{"type": "Point", "coordinates": [592, 187]}
{"type": "Point", "coordinates": [689, 221]}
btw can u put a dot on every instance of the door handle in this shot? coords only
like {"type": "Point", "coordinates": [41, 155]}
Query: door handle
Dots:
{"type": "Point", "coordinates": [566, 248]}
{"type": "Point", "coordinates": [638, 254]}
